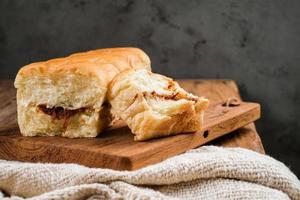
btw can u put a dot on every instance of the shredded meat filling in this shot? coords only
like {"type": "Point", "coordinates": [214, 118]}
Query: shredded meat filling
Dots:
{"type": "Point", "coordinates": [174, 96]}
{"type": "Point", "coordinates": [60, 112]}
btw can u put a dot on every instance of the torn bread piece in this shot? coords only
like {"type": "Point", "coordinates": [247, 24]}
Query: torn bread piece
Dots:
{"type": "Point", "coordinates": [154, 105]}
{"type": "Point", "coordinates": [65, 96]}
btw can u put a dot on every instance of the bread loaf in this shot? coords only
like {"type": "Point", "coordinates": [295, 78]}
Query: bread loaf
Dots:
{"type": "Point", "coordinates": [65, 96]}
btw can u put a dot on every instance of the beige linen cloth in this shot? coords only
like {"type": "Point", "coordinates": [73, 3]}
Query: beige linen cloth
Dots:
{"type": "Point", "coordinates": [208, 172]}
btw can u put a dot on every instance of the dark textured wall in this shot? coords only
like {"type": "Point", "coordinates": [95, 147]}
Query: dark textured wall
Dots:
{"type": "Point", "coordinates": [256, 43]}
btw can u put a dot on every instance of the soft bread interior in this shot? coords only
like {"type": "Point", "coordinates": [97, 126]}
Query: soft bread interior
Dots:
{"type": "Point", "coordinates": [87, 123]}
{"type": "Point", "coordinates": [153, 105]}
{"type": "Point", "coordinates": [65, 90]}
{"type": "Point", "coordinates": [79, 97]}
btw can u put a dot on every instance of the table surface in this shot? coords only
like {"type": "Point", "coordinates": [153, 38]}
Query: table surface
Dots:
{"type": "Point", "coordinates": [215, 90]}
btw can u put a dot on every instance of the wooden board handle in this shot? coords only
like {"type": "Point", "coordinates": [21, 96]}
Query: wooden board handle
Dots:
{"type": "Point", "coordinates": [222, 119]}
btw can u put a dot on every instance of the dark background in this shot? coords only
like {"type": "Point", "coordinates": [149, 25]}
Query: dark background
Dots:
{"type": "Point", "coordinates": [256, 43]}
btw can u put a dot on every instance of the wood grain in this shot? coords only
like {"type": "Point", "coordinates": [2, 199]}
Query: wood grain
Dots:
{"type": "Point", "coordinates": [8, 111]}
{"type": "Point", "coordinates": [116, 148]}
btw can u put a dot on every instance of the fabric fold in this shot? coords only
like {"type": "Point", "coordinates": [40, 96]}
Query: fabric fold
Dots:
{"type": "Point", "coordinates": [205, 172]}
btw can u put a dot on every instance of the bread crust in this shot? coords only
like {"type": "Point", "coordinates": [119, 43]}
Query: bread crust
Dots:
{"type": "Point", "coordinates": [101, 63]}
{"type": "Point", "coordinates": [154, 106]}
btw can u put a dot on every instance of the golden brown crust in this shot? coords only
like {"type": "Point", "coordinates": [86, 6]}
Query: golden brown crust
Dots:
{"type": "Point", "coordinates": [101, 63]}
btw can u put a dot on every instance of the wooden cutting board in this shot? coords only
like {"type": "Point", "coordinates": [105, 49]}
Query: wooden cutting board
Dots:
{"type": "Point", "coordinates": [116, 149]}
